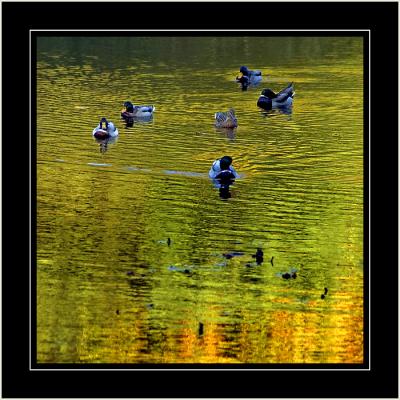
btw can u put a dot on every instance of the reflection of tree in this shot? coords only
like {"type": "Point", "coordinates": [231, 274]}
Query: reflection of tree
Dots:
{"type": "Point", "coordinates": [195, 50]}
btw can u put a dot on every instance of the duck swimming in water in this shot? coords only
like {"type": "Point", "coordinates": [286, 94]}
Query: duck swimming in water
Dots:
{"type": "Point", "coordinates": [131, 111]}
{"type": "Point", "coordinates": [223, 175]}
{"type": "Point", "coordinates": [226, 119]}
{"type": "Point", "coordinates": [105, 129]}
{"type": "Point", "coordinates": [249, 77]}
{"type": "Point", "coordinates": [223, 169]}
{"type": "Point", "coordinates": [268, 99]}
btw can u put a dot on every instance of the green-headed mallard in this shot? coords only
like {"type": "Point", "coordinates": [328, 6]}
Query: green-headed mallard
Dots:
{"type": "Point", "coordinates": [249, 77]}
{"type": "Point", "coordinates": [268, 99]}
{"type": "Point", "coordinates": [131, 111]}
{"type": "Point", "coordinates": [105, 129]}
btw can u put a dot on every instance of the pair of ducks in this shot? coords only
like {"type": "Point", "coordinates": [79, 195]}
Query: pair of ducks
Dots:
{"type": "Point", "coordinates": [106, 129]}
{"type": "Point", "coordinates": [267, 100]}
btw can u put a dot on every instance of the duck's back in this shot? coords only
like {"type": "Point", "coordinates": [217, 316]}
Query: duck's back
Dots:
{"type": "Point", "coordinates": [226, 119]}
{"type": "Point", "coordinates": [255, 73]}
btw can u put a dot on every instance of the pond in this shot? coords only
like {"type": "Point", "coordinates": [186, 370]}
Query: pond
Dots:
{"type": "Point", "coordinates": [141, 260]}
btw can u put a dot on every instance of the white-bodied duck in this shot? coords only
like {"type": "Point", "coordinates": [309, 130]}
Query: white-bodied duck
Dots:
{"type": "Point", "coordinates": [268, 99]}
{"type": "Point", "coordinates": [226, 119]}
{"type": "Point", "coordinates": [131, 111]}
{"type": "Point", "coordinates": [105, 129]}
{"type": "Point", "coordinates": [223, 169]}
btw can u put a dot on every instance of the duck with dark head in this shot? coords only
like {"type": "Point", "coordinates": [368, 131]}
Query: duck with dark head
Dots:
{"type": "Point", "coordinates": [105, 129]}
{"type": "Point", "coordinates": [223, 175]}
{"type": "Point", "coordinates": [131, 111]}
{"type": "Point", "coordinates": [269, 99]}
{"type": "Point", "coordinates": [223, 169]}
{"type": "Point", "coordinates": [248, 77]}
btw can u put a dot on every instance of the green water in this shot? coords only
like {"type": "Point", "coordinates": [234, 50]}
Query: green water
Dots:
{"type": "Point", "coordinates": [104, 212]}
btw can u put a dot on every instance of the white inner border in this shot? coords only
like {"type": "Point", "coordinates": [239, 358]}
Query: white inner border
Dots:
{"type": "Point", "coordinates": [341, 367]}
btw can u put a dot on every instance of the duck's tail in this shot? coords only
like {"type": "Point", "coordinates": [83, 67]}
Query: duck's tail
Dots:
{"type": "Point", "coordinates": [289, 90]}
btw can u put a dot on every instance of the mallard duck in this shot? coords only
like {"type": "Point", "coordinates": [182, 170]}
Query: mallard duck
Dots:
{"type": "Point", "coordinates": [223, 169]}
{"type": "Point", "coordinates": [268, 99]}
{"type": "Point", "coordinates": [105, 129]}
{"type": "Point", "coordinates": [131, 111]}
{"type": "Point", "coordinates": [249, 77]}
{"type": "Point", "coordinates": [226, 119]}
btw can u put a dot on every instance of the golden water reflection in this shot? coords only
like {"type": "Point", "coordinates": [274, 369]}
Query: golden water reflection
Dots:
{"type": "Point", "coordinates": [110, 289]}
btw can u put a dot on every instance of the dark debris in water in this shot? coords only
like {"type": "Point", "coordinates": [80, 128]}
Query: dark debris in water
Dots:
{"type": "Point", "coordinates": [186, 271]}
{"type": "Point", "coordinates": [259, 256]}
{"type": "Point", "coordinates": [325, 293]}
{"type": "Point", "coordinates": [232, 254]}
{"type": "Point", "coordinates": [290, 275]}
{"type": "Point", "coordinates": [201, 329]}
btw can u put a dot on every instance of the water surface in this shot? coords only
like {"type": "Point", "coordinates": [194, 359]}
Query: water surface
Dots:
{"type": "Point", "coordinates": [110, 289]}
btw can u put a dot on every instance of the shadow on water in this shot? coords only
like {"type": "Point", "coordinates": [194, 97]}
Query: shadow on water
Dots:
{"type": "Point", "coordinates": [230, 133]}
{"type": "Point", "coordinates": [103, 143]}
{"type": "Point", "coordinates": [245, 84]}
{"type": "Point", "coordinates": [129, 122]}
{"type": "Point", "coordinates": [286, 110]}
{"type": "Point", "coordinates": [223, 183]}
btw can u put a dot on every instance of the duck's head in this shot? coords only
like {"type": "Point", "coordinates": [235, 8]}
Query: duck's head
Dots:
{"type": "Point", "coordinates": [105, 122]}
{"type": "Point", "coordinates": [128, 106]}
{"type": "Point", "coordinates": [225, 162]}
{"type": "Point", "coordinates": [268, 93]}
{"type": "Point", "coordinates": [244, 70]}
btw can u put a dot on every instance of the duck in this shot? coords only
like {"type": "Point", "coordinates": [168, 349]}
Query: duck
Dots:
{"type": "Point", "coordinates": [249, 77]}
{"type": "Point", "coordinates": [268, 99]}
{"type": "Point", "coordinates": [131, 111]}
{"type": "Point", "coordinates": [226, 119]}
{"type": "Point", "coordinates": [105, 129]}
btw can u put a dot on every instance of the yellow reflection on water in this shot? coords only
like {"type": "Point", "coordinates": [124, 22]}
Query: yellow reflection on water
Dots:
{"type": "Point", "coordinates": [110, 289]}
